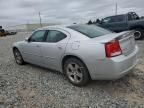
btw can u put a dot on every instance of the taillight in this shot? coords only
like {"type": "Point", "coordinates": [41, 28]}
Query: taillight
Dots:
{"type": "Point", "coordinates": [113, 49]}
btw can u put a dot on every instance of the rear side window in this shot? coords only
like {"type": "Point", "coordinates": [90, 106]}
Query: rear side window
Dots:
{"type": "Point", "coordinates": [55, 36]}
{"type": "Point", "coordinates": [90, 31]}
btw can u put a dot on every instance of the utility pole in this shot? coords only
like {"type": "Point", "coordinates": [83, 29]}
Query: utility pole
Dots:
{"type": "Point", "coordinates": [116, 9]}
{"type": "Point", "coordinates": [40, 19]}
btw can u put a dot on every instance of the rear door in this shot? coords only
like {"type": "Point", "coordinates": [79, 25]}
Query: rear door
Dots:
{"type": "Point", "coordinates": [54, 48]}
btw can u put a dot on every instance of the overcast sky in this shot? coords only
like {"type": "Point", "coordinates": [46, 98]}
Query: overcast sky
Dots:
{"type": "Point", "coordinates": [13, 12]}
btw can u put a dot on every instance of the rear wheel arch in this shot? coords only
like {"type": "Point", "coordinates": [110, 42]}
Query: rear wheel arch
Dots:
{"type": "Point", "coordinates": [75, 70]}
{"type": "Point", "coordinates": [66, 57]}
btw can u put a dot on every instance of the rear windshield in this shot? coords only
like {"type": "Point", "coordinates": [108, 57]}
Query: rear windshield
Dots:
{"type": "Point", "coordinates": [90, 31]}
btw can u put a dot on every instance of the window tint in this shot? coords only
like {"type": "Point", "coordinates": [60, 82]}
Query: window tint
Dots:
{"type": "Point", "coordinates": [90, 31]}
{"type": "Point", "coordinates": [38, 36]}
{"type": "Point", "coordinates": [119, 18]}
{"type": "Point", "coordinates": [55, 36]}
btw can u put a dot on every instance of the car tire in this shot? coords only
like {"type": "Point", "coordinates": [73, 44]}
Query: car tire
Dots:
{"type": "Point", "coordinates": [76, 72]}
{"type": "Point", "coordinates": [18, 57]}
{"type": "Point", "coordinates": [139, 34]}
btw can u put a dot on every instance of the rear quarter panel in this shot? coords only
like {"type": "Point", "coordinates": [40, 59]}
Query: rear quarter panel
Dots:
{"type": "Point", "coordinates": [86, 49]}
{"type": "Point", "coordinates": [90, 53]}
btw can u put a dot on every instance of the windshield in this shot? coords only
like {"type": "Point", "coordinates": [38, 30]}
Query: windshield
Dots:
{"type": "Point", "coordinates": [91, 31]}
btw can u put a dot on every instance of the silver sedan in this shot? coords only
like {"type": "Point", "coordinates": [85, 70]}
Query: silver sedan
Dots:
{"type": "Point", "coordinates": [81, 52]}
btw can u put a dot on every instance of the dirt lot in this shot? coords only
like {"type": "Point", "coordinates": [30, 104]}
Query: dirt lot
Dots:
{"type": "Point", "coordinates": [30, 86]}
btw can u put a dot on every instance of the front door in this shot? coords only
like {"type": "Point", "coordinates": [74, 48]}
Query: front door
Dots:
{"type": "Point", "coordinates": [32, 48]}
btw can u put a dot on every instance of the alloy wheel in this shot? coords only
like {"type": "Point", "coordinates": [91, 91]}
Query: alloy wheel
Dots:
{"type": "Point", "coordinates": [74, 72]}
{"type": "Point", "coordinates": [18, 57]}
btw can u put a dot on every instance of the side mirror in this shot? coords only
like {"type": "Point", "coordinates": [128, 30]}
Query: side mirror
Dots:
{"type": "Point", "coordinates": [27, 39]}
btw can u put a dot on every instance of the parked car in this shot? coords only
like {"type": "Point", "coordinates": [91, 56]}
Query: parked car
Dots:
{"type": "Point", "coordinates": [129, 21]}
{"type": "Point", "coordinates": [6, 32]}
{"type": "Point", "coordinates": [2, 33]}
{"type": "Point", "coordinates": [81, 52]}
{"type": "Point", "coordinates": [11, 32]}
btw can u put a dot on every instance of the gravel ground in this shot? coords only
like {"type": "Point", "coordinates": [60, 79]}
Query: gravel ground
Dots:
{"type": "Point", "coordinates": [31, 86]}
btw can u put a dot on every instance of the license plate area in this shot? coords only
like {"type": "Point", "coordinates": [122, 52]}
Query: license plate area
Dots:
{"type": "Point", "coordinates": [127, 45]}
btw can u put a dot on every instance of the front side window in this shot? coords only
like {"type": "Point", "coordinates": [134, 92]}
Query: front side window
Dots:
{"type": "Point", "coordinates": [38, 36]}
{"type": "Point", "coordinates": [55, 36]}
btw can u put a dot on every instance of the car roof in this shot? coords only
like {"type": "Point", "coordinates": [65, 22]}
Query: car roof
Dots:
{"type": "Point", "coordinates": [115, 15]}
{"type": "Point", "coordinates": [59, 26]}
{"type": "Point", "coordinates": [55, 26]}
{"type": "Point", "coordinates": [76, 35]}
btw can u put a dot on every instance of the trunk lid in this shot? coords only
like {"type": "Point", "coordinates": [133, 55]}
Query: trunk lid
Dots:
{"type": "Point", "coordinates": [126, 40]}
{"type": "Point", "coordinates": [127, 44]}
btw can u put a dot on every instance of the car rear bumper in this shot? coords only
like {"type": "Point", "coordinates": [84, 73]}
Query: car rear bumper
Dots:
{"type": "Point", "coordinates": [114, 68]}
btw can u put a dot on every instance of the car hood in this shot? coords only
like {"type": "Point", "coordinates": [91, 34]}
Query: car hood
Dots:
{"type": "Point", "coordinates": [17, 43]}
